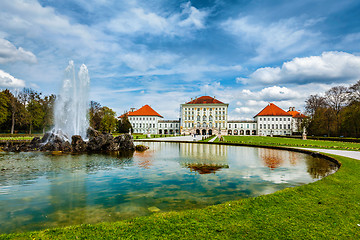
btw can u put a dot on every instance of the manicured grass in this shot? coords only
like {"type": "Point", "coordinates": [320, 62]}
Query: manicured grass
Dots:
{"type": "Point", "coordinates": [326, 209]}
{"type": "Point", "coordinates": [277, 141]}
{"type": "Point", "coordinates": [18, 137]}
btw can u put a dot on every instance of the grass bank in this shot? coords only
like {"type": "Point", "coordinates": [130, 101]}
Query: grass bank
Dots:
{"type": "Point", "coordinates": [292, 142]}
{"type": "Point", "coordinates": [326, 209]}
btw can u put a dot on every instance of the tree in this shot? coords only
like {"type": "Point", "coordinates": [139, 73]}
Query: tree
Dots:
{"type": "Point", "coordinates": [95, 115]}
{"type": "Point", "coordinates": [4, 107]}
{"type": "Point", "coordinates": [354, 92]}
{"type": "Point", "coordinates": [16, 109]}
{"type": "Point", "coordinates": [336, 98]}
{"type": "Point", "coordinates": [108, 120]}
{"type": "Point", "coordinates": [313, 103]}
{"type": "Point", "coordinates": [123, 124]}
{"type": "Point", "coordinates": [48, 108]}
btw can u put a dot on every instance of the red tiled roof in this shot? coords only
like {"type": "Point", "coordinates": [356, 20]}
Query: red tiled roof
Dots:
{"type": "Point", "coordinates": [204, 100]}
{"type": "Point", "coordinates": [272, 110]}
{"type": "Point", "coordinates": [144, 111]}
{"type": "Point", "coordinates": [297, 114]}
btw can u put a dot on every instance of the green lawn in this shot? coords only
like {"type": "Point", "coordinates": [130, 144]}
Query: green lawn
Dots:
{"type": "Point", "coordinates": [277, 141]}
{"type": "Point", "coordinates": [326, 209]}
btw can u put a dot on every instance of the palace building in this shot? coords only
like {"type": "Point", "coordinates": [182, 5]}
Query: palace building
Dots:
{"type": "Point", "coordinates": [144, 120]}
{"type": "Point", "coordinates": [206, 115]}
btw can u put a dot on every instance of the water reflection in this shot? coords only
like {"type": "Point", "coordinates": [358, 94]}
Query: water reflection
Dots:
{"type": "Point", "coordinates": [40, 190]}
{"type": "Point", "coordinates": [203, 158]}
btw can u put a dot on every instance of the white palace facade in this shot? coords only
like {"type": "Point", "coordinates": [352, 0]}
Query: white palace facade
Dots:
{"type": "Point", "coordinates": [206, 115]}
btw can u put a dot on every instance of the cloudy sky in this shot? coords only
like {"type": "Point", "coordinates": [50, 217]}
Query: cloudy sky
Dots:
{"type": "Point", "coordinates": [163, 53]}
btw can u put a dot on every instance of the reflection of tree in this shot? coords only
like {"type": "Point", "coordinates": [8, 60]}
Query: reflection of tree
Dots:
{"type": "Point", "coordinates": [205, 169]}
{"type": "Point", "coordinates": [319, 167]}
{"type": "Point", "coordinates": [271, 158]}
{"type": "Point", "coordinates": [293, 158]}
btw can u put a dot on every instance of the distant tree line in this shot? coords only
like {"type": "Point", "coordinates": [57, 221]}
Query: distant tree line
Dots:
{"type": "Point", "coordinates": [336, 113]}
{"type": "Point", "coordinates": [29, 111]}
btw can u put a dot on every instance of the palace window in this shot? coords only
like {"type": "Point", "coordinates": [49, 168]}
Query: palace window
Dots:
{"type": "Point", "coordinates": [260, 126]}
{"type": "Point", "coordinates": [272, 126]}
{"type": "Point", "coordinates": [284, 126]}
{"type": "Point", "coordinates": [216, 125]}
{"type": "Point", "coordinates": [229, 125]}
{"type": "Point", "coordinates": [235, 125]}
{"type": "Point", "coordinates": [198, 118]}
{"type": "Point", "coordinates": [276, 126]}
{"type": "Point", "coordinates": [210, 118]}
{"type": "Point", "coordinates": [280, 125]}
{"type": "Point", "coordinates": [289, 126]}
{"type": "Point", "coordinates": [268, 126]}
{"type": "Point", "coordinates": [204, 118]}
{"type": "Point", "coordinates": [204, 124]}
{"type": "Point", "coordinates": [198, 125]}
{"type": "Point", "coordinates": [210, 125]}
{"type": "Point", "coordinates": [264, 126]}
{"type": "Point", "coordinates": [247, 125]}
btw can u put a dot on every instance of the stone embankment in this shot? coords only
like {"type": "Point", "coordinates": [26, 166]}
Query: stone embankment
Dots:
{"type": "Point", "coordinates": [98, 142]}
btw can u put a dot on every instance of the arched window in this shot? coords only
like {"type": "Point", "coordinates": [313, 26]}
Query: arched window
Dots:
{"type": "Point", "coordinates": [198, 117]}
{"type": "Point", "coordinates": [204, 124]}
{"type": "Point", "coordinates": [198, 125]}
{"type": "Point", "coordinates": [204, 118]}
{"type": "Point", "coordinates": [210, 118]}
{"type": "Point", "coordinates": [210, 125]}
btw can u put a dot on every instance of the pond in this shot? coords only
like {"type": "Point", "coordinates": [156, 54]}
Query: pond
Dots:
{"type": "Point", "coordinates": [43, 190]}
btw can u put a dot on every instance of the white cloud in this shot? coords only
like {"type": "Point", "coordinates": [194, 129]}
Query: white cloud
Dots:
{"type": "Point", "coordinates": [327, 68]}
{"type": "Point", "coordinates": [8, 81]}
{"type": "Point", "coordinates": [9, 53]}
{"type": "Point", "coordinates": [140, 21]}
{"type": "Point", "coordinates": [275, 39]}
{"type": "Point", "coordinates": [194, 71]}
{"type": "Point", "coordinates": [145, 60]}
{"type": "Point", "coordinates": [195, 17]}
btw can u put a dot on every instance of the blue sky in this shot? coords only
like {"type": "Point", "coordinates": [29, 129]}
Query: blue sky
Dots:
{"type": "Point", "coordinates": [163, 53]}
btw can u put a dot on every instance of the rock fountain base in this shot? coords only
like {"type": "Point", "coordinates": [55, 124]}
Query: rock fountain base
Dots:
{"type": "Point", "coordinates": [98, 142]}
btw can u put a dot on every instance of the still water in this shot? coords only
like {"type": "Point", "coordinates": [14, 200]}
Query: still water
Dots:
{"type": "Point", "coordinates": [42, 190]}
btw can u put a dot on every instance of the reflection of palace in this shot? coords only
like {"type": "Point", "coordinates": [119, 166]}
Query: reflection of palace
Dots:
{"type": "Point", "coordinates": [273, 158]}
{"type": "Point", "coordinates": [203, 158]}
{"type": "Point", "coordinates": [207, 116]}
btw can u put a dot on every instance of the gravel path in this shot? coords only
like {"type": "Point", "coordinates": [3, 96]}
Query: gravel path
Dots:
{"type": "Point", "coordinates": [344, 153]}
